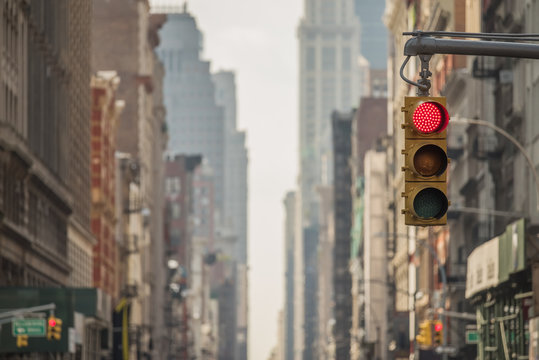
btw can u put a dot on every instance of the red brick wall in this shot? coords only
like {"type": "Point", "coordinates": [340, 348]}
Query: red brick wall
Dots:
{"type": "Point", "coordinates": [103, 185]}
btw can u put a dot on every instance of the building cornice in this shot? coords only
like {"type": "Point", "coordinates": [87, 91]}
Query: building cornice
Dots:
{"type": "Point", "coordinates": [85, 233]}
{"type": "Point", "coordinates": [42, 176]}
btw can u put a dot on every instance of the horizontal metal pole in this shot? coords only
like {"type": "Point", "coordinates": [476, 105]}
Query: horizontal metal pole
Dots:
{"type": "Point", "coordinates": [480, 211]}
{"type": "Point", "coordinates": [459, 315]}
{"type": "Point", "coordinates": [20, 311]}
{"type": "Point", "coordinates": [427, 45]}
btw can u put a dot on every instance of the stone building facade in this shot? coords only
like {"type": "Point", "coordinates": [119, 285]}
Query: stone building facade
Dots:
{"type": "Point", "coordinates": [44, 116]}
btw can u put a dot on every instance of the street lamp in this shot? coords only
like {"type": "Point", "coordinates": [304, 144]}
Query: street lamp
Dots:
{"type": "Point", "coordinates": [173, 264]}
{"type": "Point", "coordinates": [499, 130]}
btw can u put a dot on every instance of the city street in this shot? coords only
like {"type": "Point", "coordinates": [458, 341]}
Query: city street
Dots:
{"type": "Point", "coordinates": [269, 180]}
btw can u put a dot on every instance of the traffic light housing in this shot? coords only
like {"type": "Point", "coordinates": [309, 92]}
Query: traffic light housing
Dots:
{"type": "Point", "coordinates": [22, 340]}
{"type": "Point", "coordinates": [54, 328]}
{"type": "Point", "coordinates": [438, 333]}
{"type": "Point", "coordinates": [424, 337]}
{"type": "Point", "coordinates": [425, 160]}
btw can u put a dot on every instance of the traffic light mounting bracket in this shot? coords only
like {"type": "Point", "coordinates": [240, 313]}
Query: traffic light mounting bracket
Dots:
{"type": "Point", "coordinates": [424, 45]}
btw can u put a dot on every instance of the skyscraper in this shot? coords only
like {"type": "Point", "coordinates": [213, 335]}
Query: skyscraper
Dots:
{"type": "Point", "coordinates": [236, 159]}
{"type": "Point", "coordinates": [288, 313]}
{"type": "Point", "coordinates": [195, 121]}
{"type": "Point", "coordinates": [342, 208]}
{"type": "Point", "coordinates": [330, 79]}
{"type": "Point", "coordinates": [373, 32]}
{"type": "Point", "coordinates": [235, 197]}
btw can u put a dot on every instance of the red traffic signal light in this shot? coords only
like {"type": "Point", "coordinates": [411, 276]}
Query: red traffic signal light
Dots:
{"type": "Point", "coordinates": [430, 117]}
{"type": "Point", "coordinates": [425, 160]}
{"type": "Point", "coordinates": [438, 333]}
{"type": "Point", "coordinates": [54, 328]}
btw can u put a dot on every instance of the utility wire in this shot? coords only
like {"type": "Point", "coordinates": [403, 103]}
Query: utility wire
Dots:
{"type": "Point", "coordinates": [486, 36]}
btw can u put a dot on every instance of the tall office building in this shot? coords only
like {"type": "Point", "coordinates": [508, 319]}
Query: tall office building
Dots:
{"type": "Point", "coordinates": [288, 314]}
{"type": "Point", "coordinates": [373, 32]}
{"type": "Point", "coordinates": [342, 212]}
{"type": "Point", "coordinates": [196, 122]}
{"type": "Point", "coordinates": [330, 79]}
{"type": "Point", "coordinates": [235, 196]}
{"type": "Point", "coordinates": [236, 160]}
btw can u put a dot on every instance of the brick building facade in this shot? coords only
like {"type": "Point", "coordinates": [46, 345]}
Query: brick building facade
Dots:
{"type": "Point", "coordinates": [105, 115]}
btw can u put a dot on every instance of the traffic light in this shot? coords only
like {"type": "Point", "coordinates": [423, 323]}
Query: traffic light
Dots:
{"type": "Point", "coordinates": [22, 340]}
{"type": "Point", "coordinates": [425, 160]}
{"type": "Point", "coordinates": [438, 333]}
{"type": "Point", "coordinates": [425, 333]}
{"type": "Point", "coordinates": [54, 328]}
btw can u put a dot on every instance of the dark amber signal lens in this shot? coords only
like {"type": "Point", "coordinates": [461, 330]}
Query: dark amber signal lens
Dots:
{"type": "Point", "coordinates": [430, 160]}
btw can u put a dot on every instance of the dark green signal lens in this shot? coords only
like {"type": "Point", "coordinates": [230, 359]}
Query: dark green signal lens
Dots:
{"type": "Point", "coordinates": [430, 203]}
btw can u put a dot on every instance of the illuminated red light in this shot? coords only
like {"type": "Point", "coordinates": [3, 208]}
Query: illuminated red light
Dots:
{"type": "Point", "coordinates": [430, 117]}
{"type": "Point", "coordinates": [438, 327]}
{"type": "Point", "coordinates": [52, 322]}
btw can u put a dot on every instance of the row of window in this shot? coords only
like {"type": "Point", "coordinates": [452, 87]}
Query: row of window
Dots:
{"type": "Point", "coordinates": [10, 30]}
{"type": "Point", "coordinates": [329, 59]}
{"type": "Point", "coordinates": [327, 12]}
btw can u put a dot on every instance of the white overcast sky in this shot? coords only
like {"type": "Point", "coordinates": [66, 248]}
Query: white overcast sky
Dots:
{"type": "Point", "coordinates": [257, 39]}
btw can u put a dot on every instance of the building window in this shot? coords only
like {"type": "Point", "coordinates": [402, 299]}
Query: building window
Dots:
{"type": "Point", "coordinates": [346, 59]}
{"type": "Point", "coordinates": [346, 92]}
{"type": "Point", "coordinates": [328, 96]}
{"type": "Point", "coordinates": [176, 212]}
{"type": "Point", "coordinates": [328, 12]}
{"type": "Point", "coordinates": [310, 58]}
{"type": "Point", "coordinates": [173, 186]}
{"type": "Point", "coordinates": [328, 58]}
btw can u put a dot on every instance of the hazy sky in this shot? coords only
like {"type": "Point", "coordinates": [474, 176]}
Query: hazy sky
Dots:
{"type": "Point", "coordinates": [257, 39]}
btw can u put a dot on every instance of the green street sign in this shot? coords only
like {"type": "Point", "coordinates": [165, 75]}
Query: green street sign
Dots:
{"type": "Point", "coordinates": [30, 327]}
{"type": "Point", "coordinates": [472, 337]}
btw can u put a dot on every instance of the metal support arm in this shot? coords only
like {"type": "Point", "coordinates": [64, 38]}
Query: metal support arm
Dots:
{"type": "Point", "coordinates": [12, 313]}
{"type": "Point", "coordinates": [427, 45]}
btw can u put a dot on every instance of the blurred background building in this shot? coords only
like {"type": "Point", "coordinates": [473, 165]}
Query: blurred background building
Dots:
{"type": "Point", "coordinates": [330, 78]}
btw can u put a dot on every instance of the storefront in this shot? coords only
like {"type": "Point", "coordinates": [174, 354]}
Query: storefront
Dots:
{"type": "Point", "coordinates": [499, 286]}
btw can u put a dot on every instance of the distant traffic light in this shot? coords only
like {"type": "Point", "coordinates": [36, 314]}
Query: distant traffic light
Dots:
{"type": "Point", "coordinates": [54, 328]}
{"type": "Point", "coordinates": [425, 160]}
{"type": "Point", "coordinates": [438, 333]}
{"type": "Point", "coordinates": [424, 338]}
{"type": "Point", "coordinates": [22, 340]}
